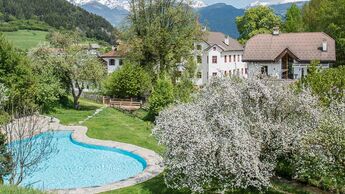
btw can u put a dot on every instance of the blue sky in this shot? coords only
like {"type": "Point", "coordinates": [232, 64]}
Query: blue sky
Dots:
{"type": "Point", "coordinates": [244, 3]}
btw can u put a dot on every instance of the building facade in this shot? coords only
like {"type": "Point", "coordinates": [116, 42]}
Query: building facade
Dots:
{"type": "Point", "coordinates": [113, 60]}
{"type": "Point", "coordinates": [218, 55]}
{"type": "Point", "coordinates": [288, 55]}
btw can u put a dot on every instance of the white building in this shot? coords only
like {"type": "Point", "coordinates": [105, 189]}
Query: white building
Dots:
{"type": "Point", "coordinates": [218, 55]}
{"type": "Point", "coordinates": [287, 55]}
{"type": "Point", "coordinates": [113, 60]}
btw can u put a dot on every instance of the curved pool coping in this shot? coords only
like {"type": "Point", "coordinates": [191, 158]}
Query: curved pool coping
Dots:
{"type": "Point", "coordinates": [153, 160]}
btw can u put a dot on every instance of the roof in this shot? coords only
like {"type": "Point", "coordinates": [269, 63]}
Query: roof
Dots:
{"type": "Point", "coordinates": [303, 46]}
{"type": "Point", "coordinates": [218, 38]}
{"type": "Point", "coordinates": [112, 54]}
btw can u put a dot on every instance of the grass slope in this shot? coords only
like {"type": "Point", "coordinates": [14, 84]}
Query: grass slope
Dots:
{"type": "Point", "coordinates": [26, 39]}
{"type": "Point", "coordinates": [115, 125]}
{"type": "Point", "coordinates": [69, 116]}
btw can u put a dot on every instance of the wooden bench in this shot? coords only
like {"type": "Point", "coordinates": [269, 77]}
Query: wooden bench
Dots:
{"type": "Point", "coordinates": [126, 104]}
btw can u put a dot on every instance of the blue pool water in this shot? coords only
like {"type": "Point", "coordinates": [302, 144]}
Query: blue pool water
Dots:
{"type": "Point", "coordinates": [81, 165]}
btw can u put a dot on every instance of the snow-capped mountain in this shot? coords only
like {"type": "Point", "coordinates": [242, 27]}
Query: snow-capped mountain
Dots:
{"type": "Point", "coordinates": [123, 4]}
{"type": "Point", "coordinates": [274, 2]}
{"type": "Point", "coordinates": [112, 4]}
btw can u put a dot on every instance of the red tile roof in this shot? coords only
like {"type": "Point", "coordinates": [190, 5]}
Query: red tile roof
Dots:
{"type": "Point", "coordinates": [113, 53]}
{"type": "Point", "coordinates": [305, 46]}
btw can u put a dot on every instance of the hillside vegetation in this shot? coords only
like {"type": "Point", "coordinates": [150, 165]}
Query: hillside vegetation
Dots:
{"type": "Point", "coordinates": [26, 39]}
{"type": "Point", "coordinates": [56, 13]}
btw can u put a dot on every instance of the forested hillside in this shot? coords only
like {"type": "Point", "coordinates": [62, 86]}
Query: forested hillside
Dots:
{"type": "Point", "coordinates": [57, 13]}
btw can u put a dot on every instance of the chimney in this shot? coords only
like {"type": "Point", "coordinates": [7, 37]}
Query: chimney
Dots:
{"type": "Point", "coordinates": [276, 31]}
{"type": "Point", "coordinates": [324, 45]}
{"type": "Point", "coordinates": [227, 40]}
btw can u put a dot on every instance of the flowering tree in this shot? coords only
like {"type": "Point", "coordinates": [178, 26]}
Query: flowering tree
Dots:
{"type": "Point", "coordinates": [321, 158]}
{"type": "Point", "coordinates": [231, 135]}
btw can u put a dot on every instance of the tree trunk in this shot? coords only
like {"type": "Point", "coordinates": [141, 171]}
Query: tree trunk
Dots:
{"type": "Point", "coordinates": [76, 96]}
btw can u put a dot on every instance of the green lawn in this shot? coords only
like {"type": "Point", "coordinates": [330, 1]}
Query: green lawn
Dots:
{"type": "Point", "coordinates": [18, 190]}
{"type": "Point", "coordinates": [115, 125]}
{"type": "Point", "coordinates": [69, 116]}
{"type": "Point", "coordinates": [26, 39]}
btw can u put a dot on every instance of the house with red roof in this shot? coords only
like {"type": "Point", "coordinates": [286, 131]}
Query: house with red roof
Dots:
{"type": "Point", "coordinates": [288, 55]}
{"type": "Point", "coordinates": [113, 59]}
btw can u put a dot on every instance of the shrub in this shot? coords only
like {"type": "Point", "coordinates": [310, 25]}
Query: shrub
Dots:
{"type": "Point", "coordinates": [231, 135]}
{"type": "Point", "coordinates": [327, 84]}
{"type": "Point", "coordinates": [161, 97]}
{"type": "Point", "coordinates": [129, 81]}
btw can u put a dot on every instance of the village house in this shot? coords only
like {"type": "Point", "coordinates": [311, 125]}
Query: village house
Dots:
{"type": "Point", "coordinates": [287, 55]}
{"type": "Point", "coordinates": [218, 55]}
{"type": "Point", "coordinates": [113, 59]}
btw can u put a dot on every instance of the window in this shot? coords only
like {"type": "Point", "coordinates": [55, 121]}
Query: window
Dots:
{"type": "Point", "coordinates": [246, 71]}
{"type": "Point", "coordinates": [264, 70]}
{"type": "Point", "coordinates": [112, 62]}
{"type": "Point", "coordinates": [225, 59]}
{"type": "Point", "coordinates": [234, 58]}
{"type": "Point", "coordinates": [199, 59]}
{"type": "Point", "coordinates": [238, 58]}
{"type": "Point", "coordinates": [230, 58]}
{"type": "Point", "coordinates": [214, 74]}
{"type": "Point", "coordinates": [121, 62]}
{"type": "Point", "coordinates": [198, 47]}
{"type": "Point", "coordinates": [199, 75]}
{"type": "Point", "coordinates": [214, 59]}
{"type": "Point", "coordinates": [225, 73]}
{"type": "Point", "coordinates": [214, 48]}
{"type": "Point", "coordinates": [242, 71]}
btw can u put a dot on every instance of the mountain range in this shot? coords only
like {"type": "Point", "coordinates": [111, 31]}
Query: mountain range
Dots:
{"type": "Point", "coordinates": [217, 17]}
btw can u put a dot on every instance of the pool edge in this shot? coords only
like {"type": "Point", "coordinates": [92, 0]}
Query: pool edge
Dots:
{"type": "Point", "coordinates": [153, 160]}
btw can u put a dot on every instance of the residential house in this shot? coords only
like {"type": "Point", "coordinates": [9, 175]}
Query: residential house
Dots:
{"type": "Point", "coordinates": [218, 55]}
{"type": "Point", "coordinates": [113, 60]}
{"type": "Point", "coordinates": [287, 55]}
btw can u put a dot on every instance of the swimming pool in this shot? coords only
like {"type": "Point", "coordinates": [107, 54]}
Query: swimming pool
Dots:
{"type": "Point", "coordinates": [78, 165]}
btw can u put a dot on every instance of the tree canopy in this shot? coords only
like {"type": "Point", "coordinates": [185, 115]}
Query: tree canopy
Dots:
{"type": "Point", "coordinates": [293, 19]}
{"type": "Point", "coordinates": [327, 16]}
{"type": "Point", "coordinates": [257, 20]}
{"type": "Point", "coordinates": [129, 81]}
{"type": "Point", "coordinates": [162, 34]}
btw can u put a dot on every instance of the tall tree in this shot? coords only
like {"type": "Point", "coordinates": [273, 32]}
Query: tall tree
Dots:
{"type": "Point", "coordinates": [257, 20]}
{"type": "Point", "coordinates": [162, 33]}
{"type": "Point", "coordinates": [16, 75]}
{"type": "Point", "coordinates": [293, 19]}
{"type": "Point", "coordinates": [327, 16]}
{"type": "Point", "coordinates": [78, 70]}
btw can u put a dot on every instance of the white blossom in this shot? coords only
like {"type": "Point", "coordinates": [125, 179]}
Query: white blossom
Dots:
{"type": "Point", "coordinates": [3, 95]}
{"type": "Point", "coordinates": [231, 134]}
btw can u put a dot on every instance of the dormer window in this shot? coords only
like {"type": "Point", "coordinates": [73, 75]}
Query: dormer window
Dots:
{"type": "Point", "coordinates": [214, 48]}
